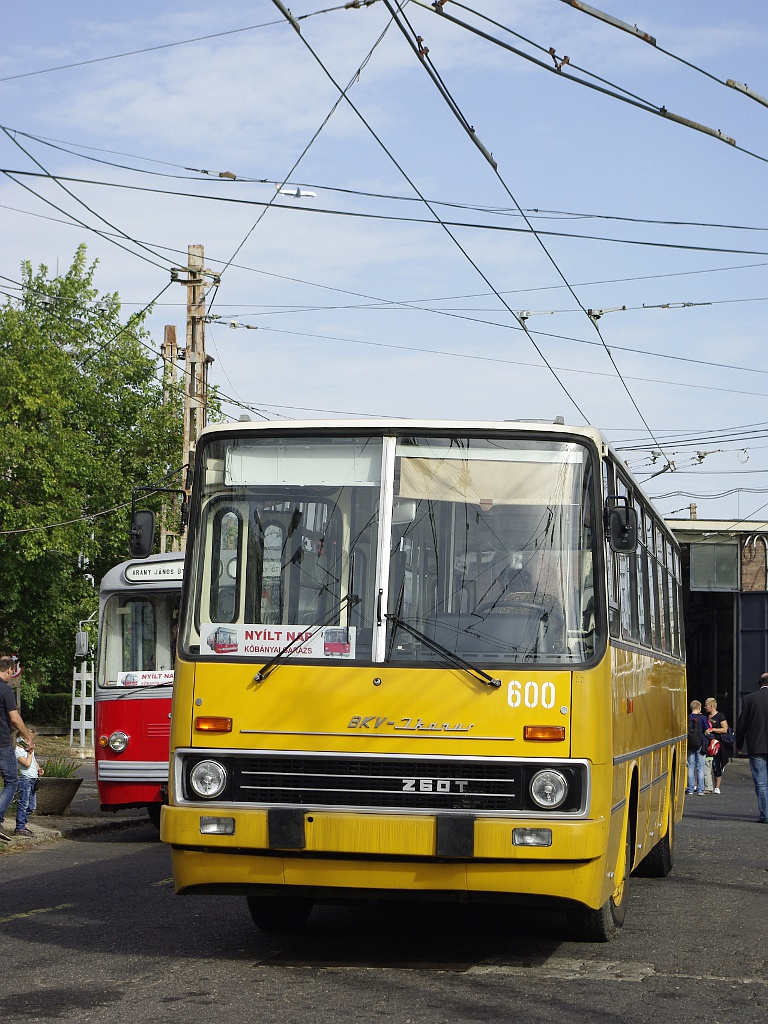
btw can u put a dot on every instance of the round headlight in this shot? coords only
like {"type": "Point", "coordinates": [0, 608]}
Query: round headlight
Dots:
{"type": "Point", "coordinates": [118, 741]}
{"type": "Point", "coordinates": [549, 788]}
{"type": "Point", "coordinates": [208, 779]}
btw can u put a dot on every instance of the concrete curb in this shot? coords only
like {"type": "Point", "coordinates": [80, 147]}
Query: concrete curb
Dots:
{"type": "Point", "coordinates": [83, 817]}
{"type": "Point", "coordinates": [62, 827]}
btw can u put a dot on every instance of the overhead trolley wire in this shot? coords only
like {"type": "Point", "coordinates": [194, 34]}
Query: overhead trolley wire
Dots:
{"type": "Point", "coordinates": [423, 54]}
{"type": "Point", "coordinates": [226, 178]}
{"type": "Point", "coordinates": [178, 42]}
{"type": "Point", "coordinates": [561, 66]}
{"type": "Point", "coordinates": [46, 174]}
{"type": "Point", "coordinates": [517, 362]}
{"type": "Point", "coordinates": [326, 119]}
{"type": "Point", "coordinates": [647, 38]}
{"type": "Point", "coordinates": [281, 6]}
{"type": "Point", "coordinates": [412, 304]}
{"type": "Point", "coordinates": [438, 222]}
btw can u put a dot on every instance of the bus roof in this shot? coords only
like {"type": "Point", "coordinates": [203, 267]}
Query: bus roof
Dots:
{"type": "Point", "coordinates": [383, 425]}
{"type": "Point", "coordinates": [365, 425]}
{"type": "Point", "coordinates": [155, 571]}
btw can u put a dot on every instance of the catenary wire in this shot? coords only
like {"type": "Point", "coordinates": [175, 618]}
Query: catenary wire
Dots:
{"type": "Point", "coordinates": [167, 46]}
{"type": "Point", "coordinates": [411, 304]}
{"type": "Point", "coordinates": [304, 152]}
{"type": "Point", "coordinates": [279, 4]}
{"type": "Point", "coordinates": [355, 214]}
{"type": "Point", "coordinates": [225, 181]}
{"type": "Point", "coordinates": [561, 68]}
{"type": "Point", "coordinates": [514, 362]}
{"type": "Point", "coordinates": [81, 202]}
{"type": "Point", "coordinates": [421, 52]}
{"type": "Point", "coordinates": [645, 37]}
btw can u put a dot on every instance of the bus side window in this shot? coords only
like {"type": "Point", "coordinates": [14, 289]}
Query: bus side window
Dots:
{"type": "Point", "coordinates": [225, 566]}
{"type": "Point", "coordinates": [138, 628]}
{"type": "Point", "coordinates": [615, 566]}
{"type": "Point", "coordinates": [628, 569]}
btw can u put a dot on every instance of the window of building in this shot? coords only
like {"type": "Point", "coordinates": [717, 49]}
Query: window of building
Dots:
{"type": "Point", "coordinates": [715, 566]}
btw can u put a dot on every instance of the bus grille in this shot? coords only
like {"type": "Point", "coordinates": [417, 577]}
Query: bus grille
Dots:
{"type": "Point", "coordinates": [378, 783]}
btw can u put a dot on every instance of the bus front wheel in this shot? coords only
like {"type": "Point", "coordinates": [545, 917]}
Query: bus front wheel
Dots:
{"type": "Point", "coordinates": [603, 924]}
{"type": "Point", "coordinates": [279, 913]}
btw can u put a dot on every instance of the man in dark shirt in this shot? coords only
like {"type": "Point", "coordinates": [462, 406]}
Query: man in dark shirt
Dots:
{"type": "Point", "coordinates": [10, 719]}
{"type": "Point", "coordinates": [752, 729]}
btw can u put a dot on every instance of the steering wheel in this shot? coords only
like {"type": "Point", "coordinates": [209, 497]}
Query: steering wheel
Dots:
{"type": "Point", "coordinates": [550, 618]}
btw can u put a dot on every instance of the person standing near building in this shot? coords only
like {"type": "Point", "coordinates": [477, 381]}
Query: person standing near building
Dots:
{"type": "Point", "coordinates": [717, 729]}
{"type": "Point", "coordinates": [752, 729]}
{"type": "Point", "coordinates": [697, 726]}
{"type": "Point", "coordinates": [9, 719]}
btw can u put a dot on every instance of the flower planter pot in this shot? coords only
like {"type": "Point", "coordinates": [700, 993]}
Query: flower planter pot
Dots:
{"type": "Point", "coordinates": [55, 795]}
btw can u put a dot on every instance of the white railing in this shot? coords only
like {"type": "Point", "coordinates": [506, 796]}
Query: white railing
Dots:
{"type": "Point", "coordinates": [81, 718]}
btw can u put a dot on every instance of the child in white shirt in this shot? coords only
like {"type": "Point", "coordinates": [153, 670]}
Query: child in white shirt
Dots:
{"type": "Point", "coordinates": [26, 799]}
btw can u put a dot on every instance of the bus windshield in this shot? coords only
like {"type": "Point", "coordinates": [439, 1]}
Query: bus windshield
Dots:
{"type": "Point", "coordinates": [493, 555]}
{"type": "Point", "coordinates": [287, 545]}
{"type": "Point", "coordinates": [485, 548]}
{"type": "Point", "coordinates": [137, 645]}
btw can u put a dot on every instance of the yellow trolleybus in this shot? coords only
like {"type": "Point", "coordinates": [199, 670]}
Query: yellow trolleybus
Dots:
{"type": "Point", "coordinates": [452, 668]}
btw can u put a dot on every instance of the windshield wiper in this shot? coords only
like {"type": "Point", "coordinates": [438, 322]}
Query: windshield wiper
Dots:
{"type": "Point", "coordinates": [128, 690]}
{"type": "Point", "coordinates": [438, 648]}
{"type": "Point", "coordinates": [305, 634]}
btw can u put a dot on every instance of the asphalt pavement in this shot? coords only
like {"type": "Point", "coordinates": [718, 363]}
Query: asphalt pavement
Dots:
{"type": "Point", "coordinates": [84, 815]}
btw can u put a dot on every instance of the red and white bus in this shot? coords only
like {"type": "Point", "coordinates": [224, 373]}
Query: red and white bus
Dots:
{"type": "Point", "coordinates": [223, 641]}
{"type": "Point", "coordinates": [138, 620]}
{"type": "Point", "coordinates": [336, 642]}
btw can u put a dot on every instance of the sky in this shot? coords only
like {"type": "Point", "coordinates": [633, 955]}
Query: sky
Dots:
{"type": "Point", "coordinates": [505, 227]}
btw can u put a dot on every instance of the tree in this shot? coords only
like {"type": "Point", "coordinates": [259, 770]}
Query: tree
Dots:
{"type": "Point", "coordinates": [84, 419]}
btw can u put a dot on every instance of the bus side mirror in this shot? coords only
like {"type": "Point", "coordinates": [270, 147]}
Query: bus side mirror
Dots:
{"type": "Point", "coordinates": [620, 523]}
{"type": "Point", "coordinates": [82, 647]}
{"type": "Point", "coordinates": [403, 511]}
{"type": "Point", "coordinates": [142, 533]}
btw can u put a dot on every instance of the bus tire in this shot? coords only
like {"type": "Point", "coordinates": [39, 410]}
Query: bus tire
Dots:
{"type": "Point", "coordinates": [153, 810]}
{"type": "Point", "coordinates": [603, 924]}
{"type": "Point", "coordinates": [279, 913]}
{"type": "Point", "coordinates": [661, 859]}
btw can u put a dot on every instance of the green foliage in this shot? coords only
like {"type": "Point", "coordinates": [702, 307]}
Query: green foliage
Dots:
{"type": "Point", "coordinates": [83, 419]}
{"type": "Point", "coordinates": [59, 767]}
{"type": "Point", "coordinates": [49, 709]}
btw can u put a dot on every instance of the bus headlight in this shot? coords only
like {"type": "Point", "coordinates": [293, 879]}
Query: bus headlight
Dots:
{"type": "Point", "coordinates": [208, 779]}
{"type": "Point", "coordinates": [549, 788]}
{"type": "Point", "coordinates": [118, 741]}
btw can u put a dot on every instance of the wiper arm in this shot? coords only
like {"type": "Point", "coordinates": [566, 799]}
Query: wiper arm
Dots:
{"type": "Point", "coordinates": [128, 690]}
{"type": "Point", "coordinates": [449, 655]}
{"type": "Point", "coordinates": [305, 634]}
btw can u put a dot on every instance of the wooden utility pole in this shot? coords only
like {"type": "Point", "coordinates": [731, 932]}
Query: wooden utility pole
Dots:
{"type": "Point", "coordinates": [198, 280]}
{"type": "Point", "coordinates": [169, 352]}
{"type": "Point", "coordinates": [170, 356]}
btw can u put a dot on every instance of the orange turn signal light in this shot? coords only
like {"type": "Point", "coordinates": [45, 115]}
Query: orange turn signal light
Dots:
{"type": "Point", "coordinates": [544, 732]}
{"type": "Point", "coordinates": [213, 724]}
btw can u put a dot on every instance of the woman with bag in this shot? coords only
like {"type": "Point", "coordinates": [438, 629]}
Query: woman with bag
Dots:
{"type": "Point", "coordinates": [715, 735]}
